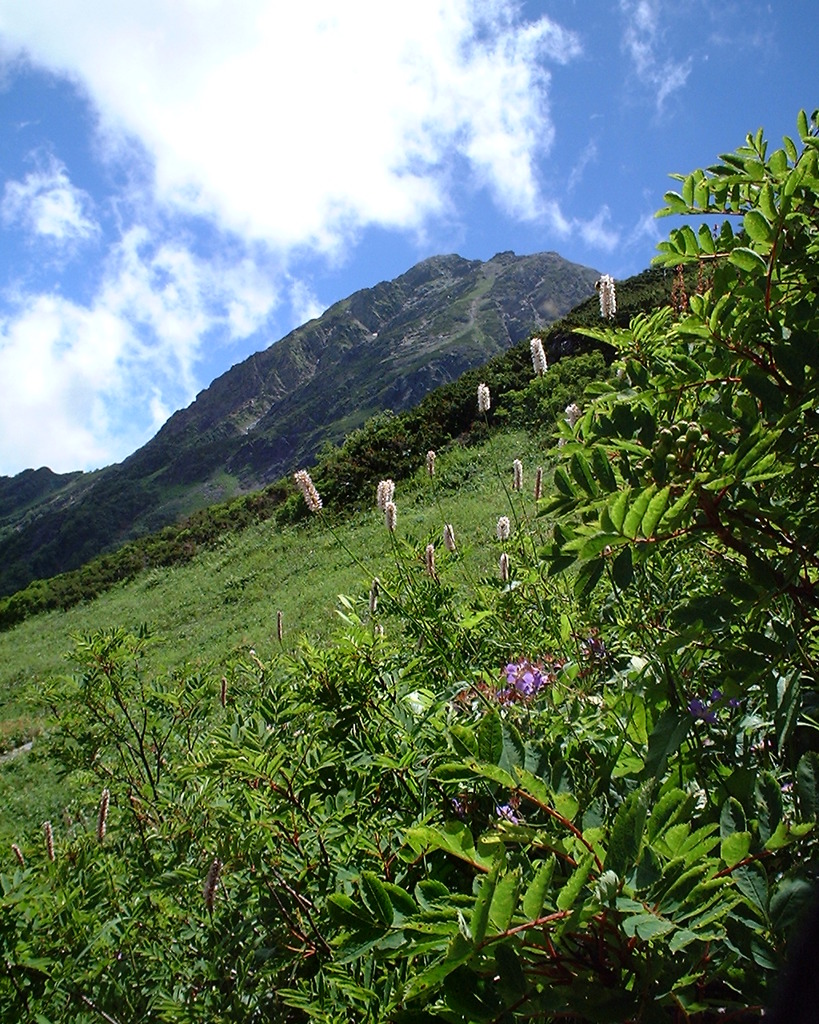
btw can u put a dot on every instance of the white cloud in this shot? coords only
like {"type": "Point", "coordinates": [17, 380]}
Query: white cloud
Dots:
{"type": "Point", "coordinates": [304, 303]}
{"type": "Point", "coordinates": [642, 40]}
{"type": "Point", "coordinates": [47, 204]}
{"type": "Point", "coordinates": [587, 156]}
{"type": "Point", "coordinates": [295, 124]}
{"type": "Point", "coordinates": [597, 233]}
{"type": "Point", "coordinates": [290, 128]}
{"type": "Point", "coordinates": [92, 383]}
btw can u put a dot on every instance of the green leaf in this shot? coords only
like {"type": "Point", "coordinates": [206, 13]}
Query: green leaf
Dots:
{"type": "Point", "coordinates": [571, 890]}
{"type": "Point", "coordinates": [535, 895]}
{"type": "Point", "coordinates": [767, 202]}
{"type": "Point", "coordinates": [512, 978]}
{"type": "Point", "coordinates": [563, 483]}
{"type": "Point", "coordinates": [347, 913]}
{"type": "Point", "coordinates": [674, 203]}
{"type": "Point", "coordinates": [627, 832]}
{"type": "Point", "coordinates": [490, 738]}
{"type": "Point", "coordinates": [602, 468]}
{"type": "Point", "coordinates": [688, 190]}
{"type": "Point", "coordinates": [588, 577]}
{"type": "Point", "coordinates": [504, 901]}
{"type": "Point", "coordinates": [655, 511]}
{"type": "Point", "coordinates": [752, 882]}
{"type": "Point", "coordinates": [622, 569]}
{"type": "Point", "coordinates": [669, 809]}
{"type": "Point", "coordinates": [376, 897]}
{"type": "Point", "coordinates": [634, 517]}
{"type": "Point", "coordinates": [757, 227]}
{"type": "Point", "coordinates": [778, 164]}
{"type": "Point", "coordinates": [514, 751]}
{"type": "Point", "coordinates": [401, 900]}
{"type": "Point", "coordinates": [480, 913]}
{"type": "Point", "coordinates": [706, 239]}
{"type": "Point", "coordinates": [802, 125]}
{"type": "Point", "coordinates": [790, 149]}
{"type": "Point", "coordinates": [582, 473]}
{"type": "Point", "coordinates": [748, 260]}
{"type": "Point", "coordinates": [428, 981]}
{"type": "Point", "coordinates": [768, 804]}
{"type": "Point", "coordinates": [617, 510]}
{"type": "Point", "coordinates": [786, 702]}
{"type": "Point", "coordinates": [681, 939]}
{"type": "Point", "coordinates": [732, 817]}
{"type": "Point", "coordinates": [807, 785]}
{"type": "Point", "coordinates": [647, 926]}
{"type": "Point", "coordinates": [789, 902]}
{"type": "Point", "coordinates": [735, 847]}
{"type": "Point", "coordinates": [454, 838]}
{"type": "Point", "coordinates": [666, 737]}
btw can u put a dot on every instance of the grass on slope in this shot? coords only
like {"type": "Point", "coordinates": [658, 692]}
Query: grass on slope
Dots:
{"type": "Point", "coordinates": [225, 602]}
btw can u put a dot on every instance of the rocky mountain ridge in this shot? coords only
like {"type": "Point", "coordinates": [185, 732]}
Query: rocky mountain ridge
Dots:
{"type": "Point", "coordinates": [381, 348]}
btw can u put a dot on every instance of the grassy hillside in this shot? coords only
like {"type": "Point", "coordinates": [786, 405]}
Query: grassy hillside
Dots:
{"type": "Point", "coordinates": [213, 610]}
{"type": "Point", "coordinates": [385, 445]}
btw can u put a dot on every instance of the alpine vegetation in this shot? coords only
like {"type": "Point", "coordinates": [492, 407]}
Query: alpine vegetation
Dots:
{"type": "Point", "coordinates": [571, 778]}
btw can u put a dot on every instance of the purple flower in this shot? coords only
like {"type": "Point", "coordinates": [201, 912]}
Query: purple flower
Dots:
{"type": "Point", "coordinates": [505, 811]}
{"type": "Point", "coordinates": [458, 806]}
{"type": "Point", "coordinates": [524, 678]}
{"type": "Point", "coordinates": [698, 709]}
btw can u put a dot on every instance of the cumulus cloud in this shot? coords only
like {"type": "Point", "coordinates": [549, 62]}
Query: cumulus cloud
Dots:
{"type": "Point", "coordinates": [278, 132]}
{"type": "Point", "coordinates": [642, 41]}
{"type": "Point", "coordinates": [46, 203]}
{"type": "Point", "coordinates": [92, 383]}
{"type": "Point", "coordinates": [298, 123]}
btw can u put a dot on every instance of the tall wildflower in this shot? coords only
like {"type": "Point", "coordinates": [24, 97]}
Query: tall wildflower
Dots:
{"type": "Point", "coordinates": [539, 361]}
{"type": "Point", "coordinates": [102, 817]}
{"type": "Point", "coordinates": [18, 853]}
{"type": "Point", "coordinates": [449, 538]}
{"type": "Point", "coordinates": [484, 400]}
{"type": "Point", "coordinates": [503, 528]}
{"type": "Point", "coordinates": [608, 300]}
{"type": "Point", "coordinates": [375, 586]}
{"type": "Point", "coordinates": [211, 881]}
{"type": "Point", "coordinates": [517, 477]}
{"type": "Point", "coordinates": [384, 494]}
{"type": "Point", "coordinates": [223, 692]}
{"type": "Point", "coordinates": [279, 626]}
{"type": "Point", "coordinates": [539, 483]}
{"type": "Point", "coordinates": [503, 565]}
{"type": "Point", "coordinates": [573, 414]}
{"type": "Point", "coordinates": [48, 832]}
{"type": "Point", "coordinates": [431, 462]}
{"type": "Point", "coordinates": [429, 560]}
{"type": "Point", "coordinates": [305, 485]}
{"type": "Point", "coordinates": [390, 516]}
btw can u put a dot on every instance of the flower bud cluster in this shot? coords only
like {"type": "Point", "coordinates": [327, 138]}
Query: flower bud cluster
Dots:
{"type": "Point", "coordinates": [608, 299]}
{"type": "Point", "coordinates": [539, 361]}
{"type": "Point", "coordinates": [305, 485]}
{"type": "Point", "coordinates": [573, 413]}
{"type": "Point", "coordinates": [384, 494]}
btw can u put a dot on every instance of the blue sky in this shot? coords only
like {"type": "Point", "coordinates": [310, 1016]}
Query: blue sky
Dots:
{"type": "Point", "coordinates": [182, 183]}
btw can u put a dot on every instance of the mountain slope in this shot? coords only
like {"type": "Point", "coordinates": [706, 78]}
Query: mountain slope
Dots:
{"type": "Point", "coordinates": [382, 348]}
